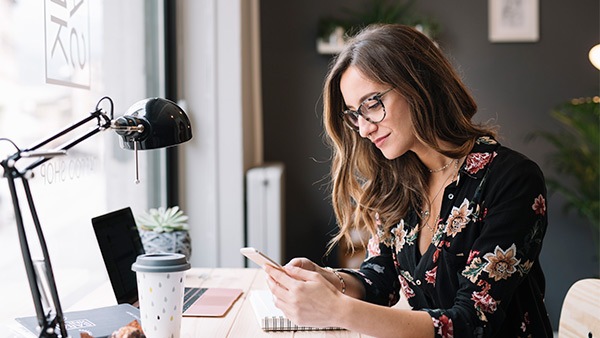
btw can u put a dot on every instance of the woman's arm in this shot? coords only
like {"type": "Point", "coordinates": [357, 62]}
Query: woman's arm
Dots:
{"type": "Point", "coordinates": [308, 298]}
{"type": "Point", "coordinates": [344, 282]}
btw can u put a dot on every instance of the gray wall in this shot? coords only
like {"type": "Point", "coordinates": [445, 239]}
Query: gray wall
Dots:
{"type": "Point", "coordinates": [516, 84]}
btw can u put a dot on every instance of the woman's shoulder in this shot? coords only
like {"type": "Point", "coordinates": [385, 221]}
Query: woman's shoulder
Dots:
{"type": "Point", "coordinates": [515, 160]}
{"type": "Point", "coordinates": [500, 155]}
{"type": "Point", "coordinates": [510, 173]}
{"type": "Point", "coordinates": [508, 166]}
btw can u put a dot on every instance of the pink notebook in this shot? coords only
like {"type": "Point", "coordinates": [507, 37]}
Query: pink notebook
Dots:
{"type": "Point", "coordinates": [209, 302]}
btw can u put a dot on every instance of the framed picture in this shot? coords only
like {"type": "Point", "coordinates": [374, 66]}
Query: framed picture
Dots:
{"type": "Point", "coordinates": [513, 20]}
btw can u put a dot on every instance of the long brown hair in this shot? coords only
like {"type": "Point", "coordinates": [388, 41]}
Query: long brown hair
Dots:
{"type": "Point", "coordinates": [365, 183]}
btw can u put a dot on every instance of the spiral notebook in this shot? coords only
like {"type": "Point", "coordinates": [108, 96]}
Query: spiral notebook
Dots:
{"type": "Point", "coordinates": [270, 318]}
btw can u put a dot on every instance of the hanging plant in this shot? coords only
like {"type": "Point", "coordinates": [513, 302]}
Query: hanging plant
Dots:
{"type": "Point", "coordinates": [378, 11]}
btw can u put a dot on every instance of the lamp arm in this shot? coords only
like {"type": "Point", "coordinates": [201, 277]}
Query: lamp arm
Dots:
{"type": "Point", "coordinates": [46, 321]}
{"type": "Point", "coordinates": [67, 146]}
{"type": "Point", "coordinates": [102, 125]}
{"type": "Point", "coordinates": [25, 252]}
{"type": "Point", "coordinates": [97, 114]}
{"type": "Point", "coordinates": [49, 274]}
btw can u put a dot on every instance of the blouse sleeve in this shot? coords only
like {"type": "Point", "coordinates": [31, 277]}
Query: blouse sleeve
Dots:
{"type": "Point", "coordinates": [512, 220]}
{"type": "Point", "coordinates": [378, 274]}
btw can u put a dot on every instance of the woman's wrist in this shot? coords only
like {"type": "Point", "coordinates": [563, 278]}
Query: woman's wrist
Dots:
{"type": "Point", "coordinates": [340, 279]}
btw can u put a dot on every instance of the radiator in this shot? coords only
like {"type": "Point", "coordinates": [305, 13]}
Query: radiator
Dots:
{"type": "Point", "coordinates": [265, 210]}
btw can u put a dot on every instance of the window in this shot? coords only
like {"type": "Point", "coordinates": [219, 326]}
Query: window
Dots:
{"type": "Point", "coordinates": [58, 60]}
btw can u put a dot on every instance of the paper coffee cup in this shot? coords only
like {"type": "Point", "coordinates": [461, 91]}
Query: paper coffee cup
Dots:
{"type": "Point", "coordinates": [160, 279]}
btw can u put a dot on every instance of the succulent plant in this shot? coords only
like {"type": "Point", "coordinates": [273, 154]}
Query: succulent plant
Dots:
{"type": "Point", "coordinates": [163, 220]}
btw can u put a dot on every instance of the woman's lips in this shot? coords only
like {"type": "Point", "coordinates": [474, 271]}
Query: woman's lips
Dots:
{"type": "Point", "coordinates": [379, 141]}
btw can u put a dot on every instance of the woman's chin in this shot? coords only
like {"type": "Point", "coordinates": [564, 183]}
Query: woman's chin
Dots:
{"type": "Point", "coordinates": [389, 155]}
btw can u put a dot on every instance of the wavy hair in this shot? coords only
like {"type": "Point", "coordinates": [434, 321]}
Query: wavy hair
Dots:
{"type": "Point", "coordinates": [364, 183]}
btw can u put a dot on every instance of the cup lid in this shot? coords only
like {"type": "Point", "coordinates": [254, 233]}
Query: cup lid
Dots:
{"type": "Point", "coordinates": [160, 262]}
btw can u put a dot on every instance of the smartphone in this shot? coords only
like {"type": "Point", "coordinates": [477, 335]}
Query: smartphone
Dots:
{"type": "Point", "coordinates": [259, 258]}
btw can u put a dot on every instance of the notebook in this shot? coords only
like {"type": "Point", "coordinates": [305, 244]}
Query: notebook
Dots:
{"type": "Point", "coordinates": [270, 318]}
{"type": "Point", "coordinates": [120, 244]}
{"type": "Point", "coordinates": [98, 323]}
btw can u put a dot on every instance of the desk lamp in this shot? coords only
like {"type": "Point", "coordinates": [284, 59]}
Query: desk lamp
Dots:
{"type": "Point", "coordinates": [148, 124]}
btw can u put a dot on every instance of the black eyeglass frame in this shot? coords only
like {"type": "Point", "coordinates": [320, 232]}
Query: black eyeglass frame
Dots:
{"type": "Point", "coordinates": [356, 113]}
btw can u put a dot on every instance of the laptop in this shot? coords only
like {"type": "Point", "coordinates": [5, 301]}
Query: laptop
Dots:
{"type": "Point", "coordinates": [120, 244]}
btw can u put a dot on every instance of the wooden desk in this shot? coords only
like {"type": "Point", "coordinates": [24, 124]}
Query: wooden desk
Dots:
{"type": "Point", "coordinates": [239, 322]}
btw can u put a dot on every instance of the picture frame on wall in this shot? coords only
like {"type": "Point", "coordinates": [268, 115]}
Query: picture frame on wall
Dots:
{"type": "Point", "coordinates": [513, 20]}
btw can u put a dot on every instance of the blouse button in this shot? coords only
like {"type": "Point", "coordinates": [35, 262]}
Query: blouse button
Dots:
{"type": "Point", "coordinates": [418, 282]}
{"type": "Point", "coordinates": [450, 196]}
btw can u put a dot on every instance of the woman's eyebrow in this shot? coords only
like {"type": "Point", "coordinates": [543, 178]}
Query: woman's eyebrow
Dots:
{"type": "Point", "coordinates": [362, 99]}
{"type": "Point", "coordinates": [368, 96]}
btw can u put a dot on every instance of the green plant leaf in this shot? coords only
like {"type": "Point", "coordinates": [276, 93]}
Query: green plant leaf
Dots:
{"type": "Point", "coordinates": [576, 157]}
{"type": "Point", "coordinates": [163, 220]}
{"type": "Point", "coordinates": [378, 11]}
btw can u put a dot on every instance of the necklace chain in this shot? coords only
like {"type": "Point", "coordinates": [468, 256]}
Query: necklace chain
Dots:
{"type": "Point", "coordinates": [425, 213]}
{"type": "Point", "coordinates": [426, 222]}
{"type": "Point", "coordinates": [440, 169]}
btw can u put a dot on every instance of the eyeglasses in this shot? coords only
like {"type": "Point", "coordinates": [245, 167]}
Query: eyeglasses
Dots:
{"type": "Point", "coordinates": [371, 109]}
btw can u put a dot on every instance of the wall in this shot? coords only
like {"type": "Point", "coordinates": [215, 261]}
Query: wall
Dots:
{"type": "Point", "coordinates": [516, 84]}
{"type": "Point", "coordinates": [213, 161]}
{"type": "Point", "coordinates": [219, 74]}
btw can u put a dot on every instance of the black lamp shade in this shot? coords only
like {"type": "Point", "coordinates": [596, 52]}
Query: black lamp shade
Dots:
{"type": "Point", "coordinates": [164, 124]}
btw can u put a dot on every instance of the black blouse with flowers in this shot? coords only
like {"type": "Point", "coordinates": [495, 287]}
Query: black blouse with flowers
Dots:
{"type": "Point", "coordinates": [481, 276]}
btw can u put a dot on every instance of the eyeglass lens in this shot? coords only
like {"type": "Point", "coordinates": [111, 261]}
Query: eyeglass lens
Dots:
{"type": "Point", "coordinates": [371, 110]}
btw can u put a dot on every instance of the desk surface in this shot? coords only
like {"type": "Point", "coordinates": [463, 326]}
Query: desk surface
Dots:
{"type": "Point", "coordinates": [239, 321]}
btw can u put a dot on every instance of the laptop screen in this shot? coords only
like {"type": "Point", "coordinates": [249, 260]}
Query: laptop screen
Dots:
{"type": "Point", "coordinates": [120, 244]}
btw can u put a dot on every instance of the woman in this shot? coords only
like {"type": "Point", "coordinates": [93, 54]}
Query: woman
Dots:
{"type": "Point", "coordinates": [456, 220]}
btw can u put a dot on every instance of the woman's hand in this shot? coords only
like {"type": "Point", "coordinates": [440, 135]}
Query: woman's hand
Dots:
{"type": "Point", "coordinates": [304, 295]}
{"type": "Point", "coordinates": [305, 264]}
{"type": "Point", "coordinates": [328, 273]}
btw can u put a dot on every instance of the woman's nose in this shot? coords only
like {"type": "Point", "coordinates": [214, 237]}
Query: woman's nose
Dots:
{"type": "Point", "coordinates": [365, 128]}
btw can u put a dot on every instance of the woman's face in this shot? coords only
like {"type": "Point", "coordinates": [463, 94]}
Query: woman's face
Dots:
{"type": "Point", "coordinates": [393, 135]}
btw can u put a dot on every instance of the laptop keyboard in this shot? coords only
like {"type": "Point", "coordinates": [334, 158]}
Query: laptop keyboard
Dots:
{"type": "Point", "coordinates": [191, 295]}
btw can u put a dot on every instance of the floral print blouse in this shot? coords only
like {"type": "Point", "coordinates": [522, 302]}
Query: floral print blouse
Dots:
{"type": "Point", "coordinates": [481, 275]}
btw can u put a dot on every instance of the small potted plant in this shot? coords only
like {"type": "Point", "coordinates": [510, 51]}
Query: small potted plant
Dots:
{"type": "Point", "coordinates": [165, 230]}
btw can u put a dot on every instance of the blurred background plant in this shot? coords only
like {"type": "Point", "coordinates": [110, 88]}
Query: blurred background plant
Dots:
{"type": "Point", "coordinates": [378, 11]}
{"type": "Point", "coordinates": [576, 159]}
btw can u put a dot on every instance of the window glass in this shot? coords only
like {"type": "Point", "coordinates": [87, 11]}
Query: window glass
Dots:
{"type": "Point", "coordinates": [59, 59]}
